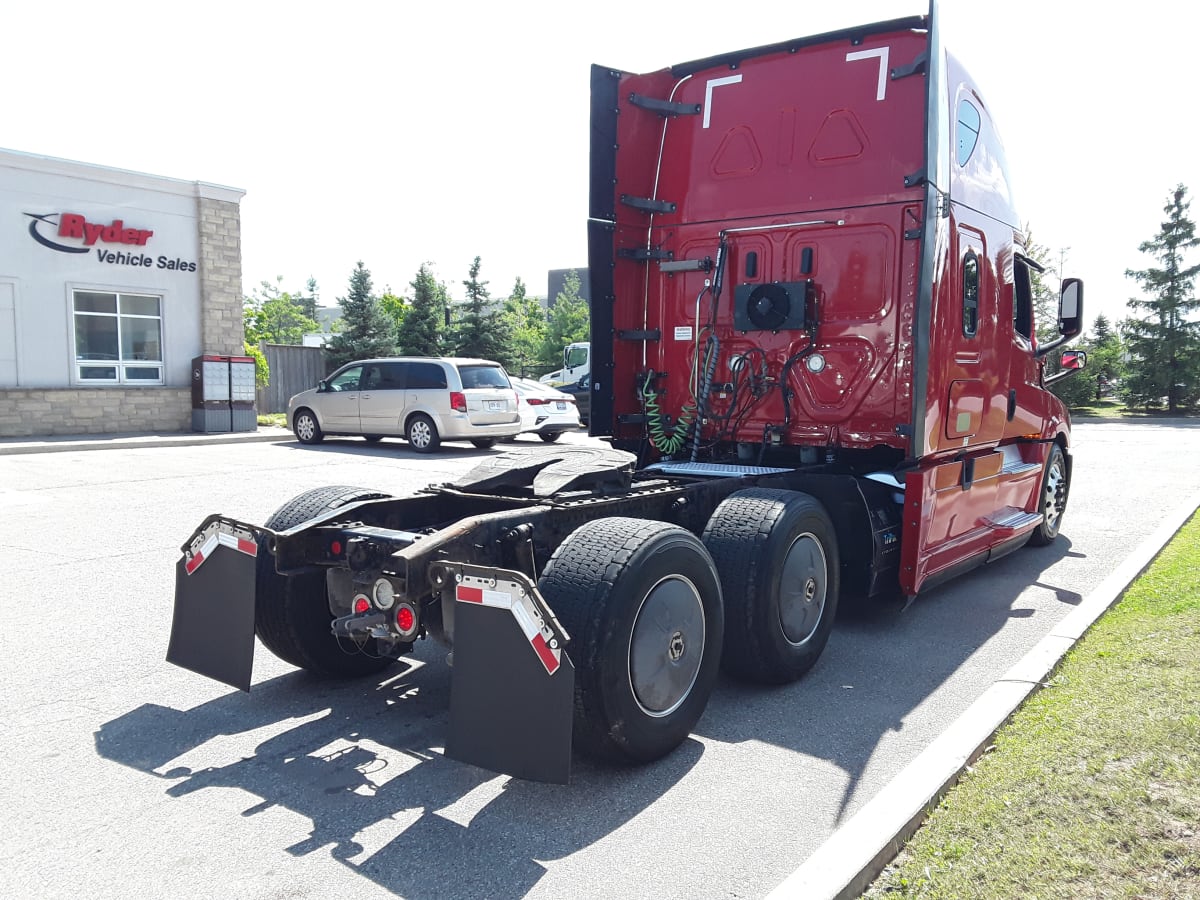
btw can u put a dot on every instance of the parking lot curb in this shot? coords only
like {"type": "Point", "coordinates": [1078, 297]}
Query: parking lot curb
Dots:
{"type": "Point", "coordinates": [857, 852]}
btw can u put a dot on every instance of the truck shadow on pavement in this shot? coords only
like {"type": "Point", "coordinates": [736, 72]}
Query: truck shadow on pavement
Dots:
{"type": "Point", "coordinates": [362, 761]}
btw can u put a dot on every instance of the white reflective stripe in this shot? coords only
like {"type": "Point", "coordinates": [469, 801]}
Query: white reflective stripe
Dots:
{"type": "Point", "coordinates": [497, 599]}
{"type": "Point", "coordinates": [229, 540]}
{"type": "Point", "coordinates": [210, 544]}
{"type": "Point", "coordinates": [525, 620]}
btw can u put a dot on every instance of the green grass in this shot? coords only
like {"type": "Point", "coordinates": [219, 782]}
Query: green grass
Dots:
{"type": "Point", "coordinates": [1106, 408]}
{"type": "Point", "coordinates": [276, 419]}
{"type": "Point", "coordinates": [1093, 788]}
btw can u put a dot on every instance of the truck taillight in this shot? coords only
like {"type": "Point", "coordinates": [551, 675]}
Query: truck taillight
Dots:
{"type": "Point", "coordinates": [458, 401]}
{"type": "Point", "coordinates": [361, 603]}
{"type": "Point", "coordinates": [406, 619]}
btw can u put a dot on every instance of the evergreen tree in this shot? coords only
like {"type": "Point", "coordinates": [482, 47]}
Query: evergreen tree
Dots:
{"type": "Point", "coordinates": [480, 331]}
{"type": "Point", "coordinates": [1164, 341]}
{"type": "Point", "coordinates": [525, 328]}
{"type": "Point", "coordinates": [1106, 357]}
{"type": "Point", "coordinates": [368, 332]}
{"type": "Point", "coordinates": [420, 333]}
{"type": "Point", "coordinates": [570, 321]}
{"type": "Point", "coordinates": [1045, 297]}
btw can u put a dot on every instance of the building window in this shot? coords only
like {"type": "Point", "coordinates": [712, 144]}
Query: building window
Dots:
{"type": "Point", "coordinates": [118, 338]}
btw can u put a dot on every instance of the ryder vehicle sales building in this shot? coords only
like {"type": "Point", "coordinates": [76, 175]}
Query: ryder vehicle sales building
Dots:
{"type": "Point", "coordinates": [111, 283]}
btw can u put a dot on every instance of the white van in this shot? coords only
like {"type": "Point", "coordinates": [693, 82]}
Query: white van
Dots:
{"type": "Point", "coordinates": [425, 400]}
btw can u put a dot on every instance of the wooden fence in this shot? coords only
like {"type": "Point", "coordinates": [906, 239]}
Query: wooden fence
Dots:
{"type": "Point", "coordinates": [293, 369]}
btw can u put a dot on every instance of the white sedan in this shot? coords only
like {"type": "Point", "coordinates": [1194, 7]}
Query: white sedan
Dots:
{"type": "Point", "coordinates": [545, 411]}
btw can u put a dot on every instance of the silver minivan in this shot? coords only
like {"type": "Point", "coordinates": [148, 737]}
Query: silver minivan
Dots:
{"type": "Point", "coordinates": [424, 399]}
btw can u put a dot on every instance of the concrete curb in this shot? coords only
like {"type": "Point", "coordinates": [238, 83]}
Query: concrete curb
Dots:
{"type": "Point", "coordinates": [125, 441]}
{"type": "Point", "coordinates": [854, 855]}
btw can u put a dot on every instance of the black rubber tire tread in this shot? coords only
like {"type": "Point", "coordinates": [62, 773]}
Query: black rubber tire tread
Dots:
{"type": "Point", "coordinates": [372, 438]}
{"type": "Point", "coordinates": [291, 613]}
{"type": "Point", "coordinates": [550, 436]}
{"type": "Point", "coordinates": [595, 582]}
{"type": "Point", "coordinates": [748, 535]}
{"type": "Point", "coordinates": [318, 434]}
{"type": "Point", "coordinates": [1043, 536]}
{"type": "Point", "coordinates": [483, 443]}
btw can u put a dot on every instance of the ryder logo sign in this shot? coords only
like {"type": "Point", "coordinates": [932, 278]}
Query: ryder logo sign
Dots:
{"type": "Point", "coordinates": [72, 233]}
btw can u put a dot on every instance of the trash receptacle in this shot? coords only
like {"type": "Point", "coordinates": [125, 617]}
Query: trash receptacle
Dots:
{"type": "Point", "coordinates": [210, 394]}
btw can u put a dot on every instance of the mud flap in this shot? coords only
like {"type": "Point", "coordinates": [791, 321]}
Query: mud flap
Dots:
{"type": "Point", "coordinates": [512, 685]}
{"type": "Point", "coordinates": [212, 631]}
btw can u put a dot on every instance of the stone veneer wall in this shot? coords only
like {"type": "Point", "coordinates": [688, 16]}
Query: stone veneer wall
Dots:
{"type": "Point", "coordinates": [221, 277]}
{"type": "Point", "coordinates": [28, 412]}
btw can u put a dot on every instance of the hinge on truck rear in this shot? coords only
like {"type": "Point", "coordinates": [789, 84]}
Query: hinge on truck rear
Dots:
{"type": "Point", "coordinates": [913, 68]}
{"type": "Point", "coordinates": [665, 107]}
{"type": "Point", "coordinates": [642, 254]}
{"type": "Point", "coordinates": [648, 204]}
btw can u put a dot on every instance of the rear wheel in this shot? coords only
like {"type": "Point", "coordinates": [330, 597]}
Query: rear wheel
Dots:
{"type": "Point", "coordinates": [422, 434]}
{"type": "Point", "coordinates": [778, 558]}
{"type": "Point", "coordinates": [306, 427]}
{"type": "Point", "coordinates": [551, 436]}
{"type": "Point", "coordinates": [642, 603]}
{"type": "Point", "coordinates": [1052, 500]}
{"type": "Point", "coordinates": [291, 613]}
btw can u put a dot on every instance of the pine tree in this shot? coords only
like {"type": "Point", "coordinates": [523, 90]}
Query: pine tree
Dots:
{"type": "Point", "coordinates": [1164, 341]}
{"type": "Point", "coordinates": [570, 320]}
{"type": "Point", "coordinates": [480, 331]}
{"type": "Point", "coordinates": [420, 333]}
{"type": "Point", "coordinates": [368, 331]}
{"type": "Point", "coordinates": [525, 321]}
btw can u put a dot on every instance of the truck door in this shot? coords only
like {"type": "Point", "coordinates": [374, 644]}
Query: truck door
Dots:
{"type": "Point", "coordinates": [974, 364]}
{"type": "Point", "coordinates": [1024, 401]}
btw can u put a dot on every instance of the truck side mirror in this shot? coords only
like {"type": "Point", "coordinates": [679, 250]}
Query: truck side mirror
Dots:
{"type": "Point", "coordinates": [1070, 309]}
{"type": "Point", "coordinates": [1074, 359]}
{"type": "Point", "coordinates": [1070, 315]}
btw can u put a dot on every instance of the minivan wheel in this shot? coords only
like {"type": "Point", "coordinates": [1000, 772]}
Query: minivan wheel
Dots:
{"type": "Point", "coordinates": [422, 434]}
{"type": "Point", "coordinates": [306, 428]}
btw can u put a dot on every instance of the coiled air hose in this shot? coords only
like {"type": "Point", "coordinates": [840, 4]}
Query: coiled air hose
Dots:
{"type": "Point", "coordinates": [666, 443]}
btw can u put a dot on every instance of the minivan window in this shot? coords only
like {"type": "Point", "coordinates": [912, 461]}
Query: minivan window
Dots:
{"type": "Point", "coordinates": [426, 376]}
{"type": "Point", "coordinates": [346, 380]}
{"type": "Point", "coordinates": [387, 376]}
{"type": "Point", "coordinates": [483, 377]}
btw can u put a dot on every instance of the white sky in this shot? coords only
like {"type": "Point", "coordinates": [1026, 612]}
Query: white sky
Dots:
{"type": "Point", "coordinates": [404, 132]}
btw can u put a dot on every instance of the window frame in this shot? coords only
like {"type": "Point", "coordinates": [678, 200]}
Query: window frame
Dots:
{"type": "Point", "coordinates": [120, 366]}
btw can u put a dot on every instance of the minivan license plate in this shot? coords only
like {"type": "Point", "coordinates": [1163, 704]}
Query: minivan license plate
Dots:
{"type": "Point", "coordinates": [495, 406]}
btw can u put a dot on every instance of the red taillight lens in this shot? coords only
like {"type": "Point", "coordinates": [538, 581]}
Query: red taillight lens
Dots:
{"type": "Point", "coordinates": [458, 401]}
{"type": "Point", "coordinates": [537, 401]}
{"type": "Point", "coordinates": [361, 604]}
{"type": "Point", "coordinates": [335, 548]}
{"type": "Point", "coordinates": [405, 618]}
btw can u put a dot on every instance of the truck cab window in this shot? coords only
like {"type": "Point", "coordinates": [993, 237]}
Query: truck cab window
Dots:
{"type": "Point", "coordinates": [1022, 299]}
{"type": "Point", "coordinates": [968, 131]}
{"type": "Point", "coordinates": [970, 294]}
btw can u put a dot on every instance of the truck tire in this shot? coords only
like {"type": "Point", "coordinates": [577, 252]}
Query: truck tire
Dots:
{"type": "Point", "coordinates": [1052, 497]}
{"type": "Point", "coordinates": [291, 612]}
{"type": "Point", "coordinates": [776, 552]}
{"type": "Point", "coordinates": [641, 601]}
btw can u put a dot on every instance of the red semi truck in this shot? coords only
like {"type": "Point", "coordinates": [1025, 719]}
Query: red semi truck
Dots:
{"type": "Point", "coordinates": [816, 363]}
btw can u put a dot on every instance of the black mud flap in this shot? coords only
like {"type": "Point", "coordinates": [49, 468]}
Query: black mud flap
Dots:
{"type": "Point", "coordinates": [212, 631]}
{"type": "Point", "coordinates": [512, 685]}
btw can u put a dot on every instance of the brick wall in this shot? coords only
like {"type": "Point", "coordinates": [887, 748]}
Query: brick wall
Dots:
{"type": "Point", "coordinates": [24, 413]}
